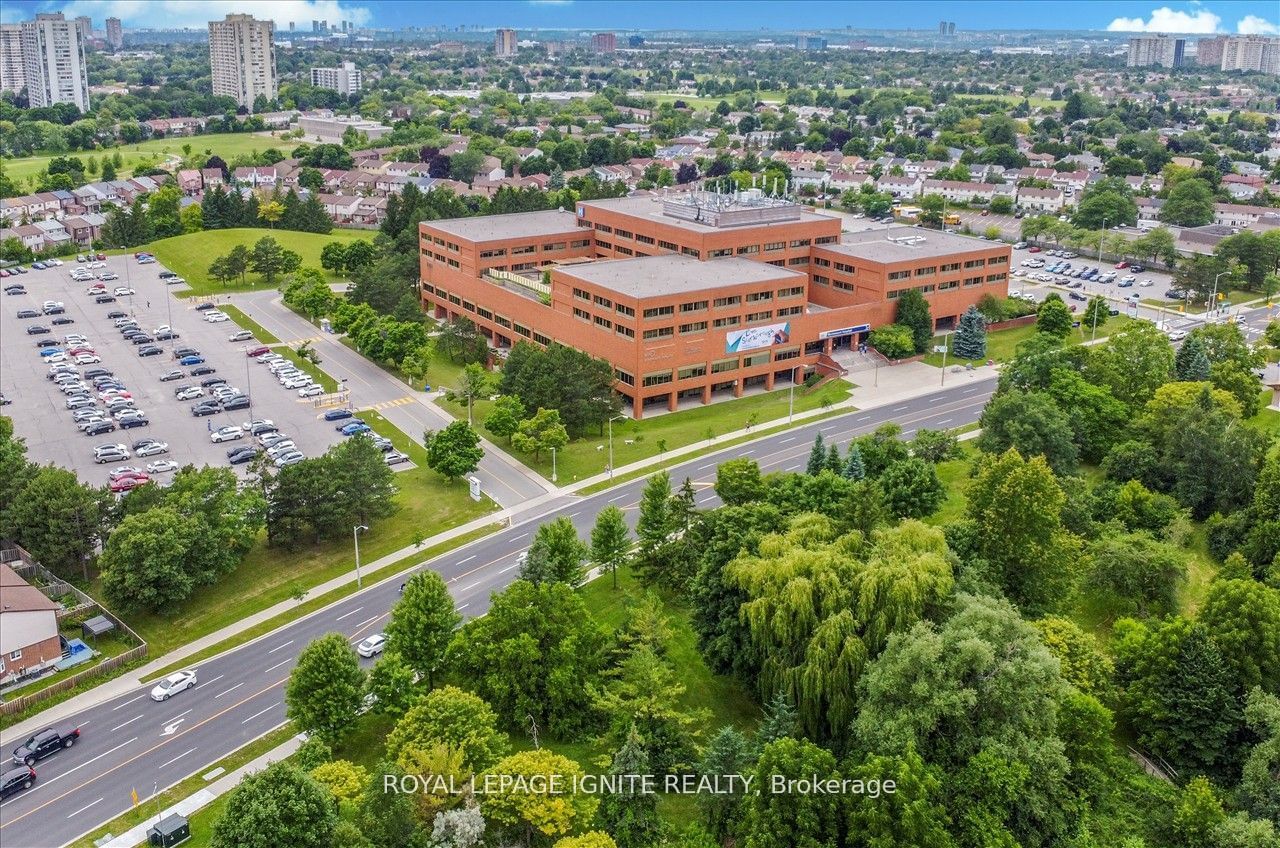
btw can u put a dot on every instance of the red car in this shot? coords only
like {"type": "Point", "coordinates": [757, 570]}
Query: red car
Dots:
{"type": "Point", "coordinates": [127, 484]}
{"type": "Point", "coordinates": [258, 351]}
{"type": "Point", "coordinates": [1122, 264]}
{"type": "Point", "coordinates": [101, 257]}
{"type": "Point", "coordinates": [1033, 249]}
{"type": "Point", "coordinates": [140, 254]}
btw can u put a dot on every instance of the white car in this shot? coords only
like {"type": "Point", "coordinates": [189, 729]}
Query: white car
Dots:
{"type": "Point", "coordinates": [54, 359]}
{"type": "Point", "coordinates": [163, 328]}
{"type": "Point", "coordinates": [152, 449]}
{"type": "Point", "coordinates": [179, 681]}
{"type": "Point", "coordinates": [1146, 283]}
{"type": "Point", "coordinates": [110, 448]}
{"type": "Point", "coordinates": [160, 466]}
{"type": "Point", "coordinates": [249, 425]}
{"type": "Point", "coordinates": [1177, 335]}
{"type": "Point", "coordinates": [94, 265]}
{"type": "Point", "coordinates": [123, 291]}
{"type": "Point", "coordinates": [298, 382]}
{"type": "Point", "coordinates": [310, 391]}
{"type": "Point", "coordinates": [217, 317]}
{"type": "Point", "coordinates": [190, 392]}
{"type": "Point", "coordinates": [87, 359]}
{"type": "Point", "coordinates": [372, 646]}
{"type": "Point", "coordinates": [226, 434]}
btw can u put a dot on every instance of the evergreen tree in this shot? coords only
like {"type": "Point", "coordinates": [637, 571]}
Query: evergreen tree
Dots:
{"type": "Point", "coordinates": [1191, 364]}
{"type": "Point", "coordinates": [834, 464]}
{"type": "Point", "coordinates": [817, 457]}
{"type": "Point", "coordinates": [780, 719]}
{"type": "Point", "coordinates": [854, 467]}
{"type": "Point", "coordinates": [630, 815]}
{"type": "Point", "coordinates": [971, 335]}
{"type": "Point", "coordinates": [555, 181]}
{"type": "Point", "coordinates": [653, 529]}
{"type": "Point", "coordinates": [729, 753]}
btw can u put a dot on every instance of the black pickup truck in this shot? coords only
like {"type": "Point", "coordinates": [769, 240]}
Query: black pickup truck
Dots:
{"type": "Point", "coordinates": [45, 742]}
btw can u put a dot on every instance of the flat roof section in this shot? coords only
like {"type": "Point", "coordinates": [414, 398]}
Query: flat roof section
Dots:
{"type": "Point", "coordinates": [906, 244]}
{"type": "Point", "coordinates": [656, 276]}
{"type": "Point", "coordinates": [552, 222]}
{"type": "Point", "coordinates": [651, 208]}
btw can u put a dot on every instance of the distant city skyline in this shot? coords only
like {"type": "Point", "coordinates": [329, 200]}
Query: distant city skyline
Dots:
{"type": "Point", "coordinates": [1244, 16]}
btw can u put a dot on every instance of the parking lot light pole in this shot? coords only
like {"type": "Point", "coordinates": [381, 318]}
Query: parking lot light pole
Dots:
{"type": "Point", "coordinates": [791, 399]}
{"type": "Point", "coordinates": [611, 420]}
{"type": "Point", "coordinates": [1102, 236]}
{"type": "Point", "coordinates": [553, 465]}
{"type": "Point", "coordinates": [355, 536]}
{"type": "Point", "coordinates": [945, 345]}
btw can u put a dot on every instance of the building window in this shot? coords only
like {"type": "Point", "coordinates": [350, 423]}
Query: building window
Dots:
{"type": "Point", "coordinates": [603, 228]}
{"type": "Point", "coordinates": [950, 266]}
{"type": "Point", "coordinates": [975, 263]}
{"type": "Point", "coordinates": [502, 322]}
{"type": "Point", "coordinates": [721, 323]}
{"type": "Point", "coordinates": [997, 260]}
{"type": "Point", "coordinates": [437, 240]}
{"type": "Point", "coordinates": [723, 302]}
{"type": "Point", "coordinates": [693, 306]}
{"type": "Point", "coordinates": [668, 245]}
{"type": "Point", "coordinates": [484, 313]}
{"type": "Point", "coordinates": [774, 245]}
{"type": "Point", "coordinates": [691, 372]}
{"type": "Point", "coordinates": [582, 294]}
{"type": "Point", "coordinates": [821, 280]}
{"type": "Point", "coordinates": [821, 262]}
{"type": "Point", "coordinates": [844, 266]}
{"type": "Point", "coordinates": [972, 281]}
{"type": "Point", "coordinates": [720, 251]}
{"type": "Point", "coordinates": [541, 339]}
{"type": "Point", "coordinates": [800, 242]}
{"type": "Point", "coordinates": [758, 316]}
{"type": "Point", "coordinates": [469, 306]}
{"type": "Point", "coordinates": [790, 310]}
{"type": "Point", "coordinates": [756, 359]}
{"type": "Point", "coordinates": [625, 234]}
{"type": "Point", "coordinates": [690, 251]}
{"type": "Point", "coordinates": [995, 278]}
{"type": "Point", "coordinates": [580, 243]}
{"type": "Point", "coordinates": [451, 246]}
{"type": "Point", "coordinates": [794, 291]}
{"type": "Point", "coordinates": [658, 333]}
{"type": "Point", "coordinates": [926, 271]}
{"type": "Point", "coordinates": [624, 377]}
{"type": "Point", "coordinates": [900, 275]}
{"type": "Point", "coordinates": [581, 313]}
{"type": "Point", "coordinates": [624, 330]}
{"type": "Point", "coordinates": [947, 286]}
{"type": "Point", "coordinates": [843, 286]}
{"type": "Point", "coordinates": [644, 239]}
{"type": "Point", "coordinates": [603, 301]}
{"type": "Point", "coordinates": [659, 311]}
{"type": "Point", "coordinates": [453, 263]}
{"type": "Point", "coordinates": [489, 254]}
{"type": "Point", "coordinates": [657, 379]}
{"type": "Point", "coordinates": [559, 245]}
{"type": "Point", "coordinates": [825, 239]}
{"type": "Point", "coordinates": [604, 323]}
{"type": "Point", "coordinates": [750, 248]}
{"type": "Point", "coordinates": [724, 365]}
{"type": "Point", "coordinates": [625, 251]}
{"type": "Point", "coordinates": [524, 331]}
{"type": "Point", "coordinates": [788, 353]}
{"type": "Point", "coordinates": [622, 309]}
{"type": "Point", "coordinates": [603, 245]}
{"type": "Point", "coordinates": [757, 297]}
{"type": "Point", "coordinates": [695, 327]}
{"type": "Point", "coordinates": [16, 655]}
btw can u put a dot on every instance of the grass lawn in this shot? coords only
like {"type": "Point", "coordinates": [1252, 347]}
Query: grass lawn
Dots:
{"type": "Point", "coordinates": [260, 333]}
{"type": "Point", "coordinates": [190, 255]}
{"type": "Point", "coordinates": [954, 474]}
{"type": "Point", "coordinates": [329, 384]}
{"type": "Point", "coordinates": [1267, 418]}
{"type": "Point", "coordinates": [155, 152]}
{"type": "Point", "coordinates": [634, 440]}
{"type": "Point", "coordinates": [1001, 344]}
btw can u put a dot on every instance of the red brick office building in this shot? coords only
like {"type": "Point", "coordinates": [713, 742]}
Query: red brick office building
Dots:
{"type": "Point", "coordinates": [695, 295]}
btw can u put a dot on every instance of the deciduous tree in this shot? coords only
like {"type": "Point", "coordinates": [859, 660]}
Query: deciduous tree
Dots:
{"type": "Point", "coordinates": [326, 688]}
{"type": "Point", "coordinates": [422, 624]}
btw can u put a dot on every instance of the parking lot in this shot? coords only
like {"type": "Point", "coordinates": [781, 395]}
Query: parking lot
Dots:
{"type": "Point", "coordinates": [39, 408]}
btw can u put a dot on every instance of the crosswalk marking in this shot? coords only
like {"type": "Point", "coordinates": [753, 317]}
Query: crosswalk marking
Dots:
{"type": "Point", "coordinates": [387, 404]}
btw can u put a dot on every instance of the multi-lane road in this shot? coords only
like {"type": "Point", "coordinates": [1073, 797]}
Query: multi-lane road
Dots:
{"type": "Point", "coordinates": [132, 743]}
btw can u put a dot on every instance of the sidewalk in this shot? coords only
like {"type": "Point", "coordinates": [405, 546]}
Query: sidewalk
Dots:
{"type": "Point", "coordinates": [896, 383]}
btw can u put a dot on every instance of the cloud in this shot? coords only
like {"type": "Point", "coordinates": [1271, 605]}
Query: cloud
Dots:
{"type": "Point", "coordinates": [190, 13]}
{"type": "Point", "coordinates": [1165, 19]}
{"type": "Point", "coordinates": [1254, 25]}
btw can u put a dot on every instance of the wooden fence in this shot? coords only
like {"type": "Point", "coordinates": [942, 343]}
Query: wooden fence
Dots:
{"type": "Point", "coordinates": [20, 703]}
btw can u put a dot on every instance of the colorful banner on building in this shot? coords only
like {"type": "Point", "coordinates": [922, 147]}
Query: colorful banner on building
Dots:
{"type": "Point", "coordinates": [754, 338]}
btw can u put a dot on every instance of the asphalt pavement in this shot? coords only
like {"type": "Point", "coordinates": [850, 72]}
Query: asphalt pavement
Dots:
{"type": "Point", "coordinates": [131, 743]}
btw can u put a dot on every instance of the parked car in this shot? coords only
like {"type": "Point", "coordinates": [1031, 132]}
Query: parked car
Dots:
{"type": "Point", "coordinates": [241, 336]}
{"type": "Point", "coordinates": [191, 360]}
{"type": "Point", "coordinates": [172, 374]}
{"type": "Point", "coordinates": [188, 392]}
{"type": "Point", "coordinates": [204, 370]}
{"type": "Point", "coordinates": [354, 427]}
{"type": "Point", "coordinates": [372, 645]}
{"type": "Point", "coordinates": [337, 414]}
{"type": "Point", "coordinates": [204, 408]}
{"type": "Point", "coordinates": [394, 457]}
{"type": "Point", "coordinates": [151, 448]}
{"type": "Point", "coordinates": [161, 466]}
{"type": "Point", "coordinates": [226, 434]}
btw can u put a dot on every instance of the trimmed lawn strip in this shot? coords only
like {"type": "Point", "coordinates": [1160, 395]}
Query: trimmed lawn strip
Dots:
{"type": "Point", "coordinates": [260, 333]}
{"type": "Point", "coordinates": [188, 787]}
{"type": "Point", "coordinates": [320, 601]}
{"type": "Point", "coordinates": [190, 255]}
{"type": "Point", "coordinates": [1267, 419]}
{"type": "Point", "coordinates": [145, 154]}
{"type": "Point", "coordinates": [402, 441]}
{"type": "Point", "coordinates": [308, 367]}
{"type": "Point", "coordinates": [636, 440]}
{"type": "Point", "coordinates": [1001, 344]}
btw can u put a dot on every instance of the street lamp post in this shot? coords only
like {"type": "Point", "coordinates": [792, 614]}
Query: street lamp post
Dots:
{"type": "Point", "coordinates": [1213, 298]}
{"type": "Point", "coordinates": [946, 344]}
{"type": "Point", "coordinates": [791, 399]}
{"type": "Point", "coordinates": [355, 536]}
{"type": "Point", "coordinates": [611, 420]}
{"type": "Point", "coordinates": [553, 465]}
{"type": "Point", "coordinates": [1102, 236]}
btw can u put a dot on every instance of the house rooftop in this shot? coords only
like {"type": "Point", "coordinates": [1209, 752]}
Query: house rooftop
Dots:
{"type": "Point", "coordinates": [668, 274]}
{"type": "Point", "coordinates": [553, 222]}
{"type": "Point", "coordinates": [906, 244]}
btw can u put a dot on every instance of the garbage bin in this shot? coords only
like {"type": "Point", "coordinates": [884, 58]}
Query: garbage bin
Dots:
{"type": "Point", "coordinates": [170, 830]}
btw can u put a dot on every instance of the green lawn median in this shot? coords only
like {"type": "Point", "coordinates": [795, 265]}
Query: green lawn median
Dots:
{"type": "Point", "coordinates": [242, 320]}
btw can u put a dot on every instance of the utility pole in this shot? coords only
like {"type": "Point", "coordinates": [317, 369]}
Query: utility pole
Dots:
{"type": "Point", "coordinates": [355, 536]}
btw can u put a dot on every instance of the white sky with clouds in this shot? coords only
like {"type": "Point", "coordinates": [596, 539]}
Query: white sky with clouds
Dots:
{"type": "Point", "coordinates": [1196, 20]}
{"type": "Point", "coordinates": [190, 13]}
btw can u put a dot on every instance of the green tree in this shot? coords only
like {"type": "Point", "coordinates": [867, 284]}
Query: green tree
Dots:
{"type": "Point", "coordinates": [343, 779]}
{"type": "Point", "coordinates": [1084, 664]}
{"type": "Point", "coordinates": [58, 519]}
{"type": "Point", "coordinates": [454, 718]}
{"type": "Point", "coordinates": [556, 554]}
{"type": "Point", "coordinates": [280, 805]}
{"type": "Point", "coordinates": [1259, 790]}
{"type": "Point", "coordinates": [817, 457]}
{"type": "Point", "coordinates": [738, 481]}
{"type": "Point", "coordinates": [610, 541]}
{"type": "Point", "coordinates": [1243, 617]}
{"type": "Point", "coordinates": [333, 257]}
{"type": "Point", "coordinates": [271, 212]}
{"type": "Point", "coordinates": [728, 753]}
{"type": "Point", "coordinates": [1190, 204]}
{"type": "Point", "coordinates": [912, 815]}
{"type": "Point", "coordinates": [912, 488]}
{"type": "Point", "coordinates": [391, 682]}
{"type": "Point", "coordinates": [1108, 200]}
{"type": "Point", "coordinates": [422, 624]}
{"type": "Point", "coordinates": [473, 383]}
{"type": "Point", "coordinates": [536, 814]}
{"type": "Point", "coordinates": [791, 819]}
{"type": "Point", "coordinates": [913, 312]}
{"type": "Point", "coordinates": [536, 653]}
{"type": "Point", "coordinates": [144, 562]}
{"type": "Point", "coordinates": [269, 259]}
{"type": "Point", "coordinates": [326, 688]}
{"type": "Point", "coordinates": [504, 417]}
{"type": "Point", "coordinates": [542, 432]}
{"type": "Point", "coordinates": [1132, 363]}
{"type": "Point", "coordinates": [1053, 317]}
{"type": "Point", "coordinates": [630, 815]}
{"type": "Point", "coordinates": [454, 451]}
{"type": "Point", "coordinates": [655, 524]}
{"type": "Point", "coordinates": [971, 335]}
{"type": "Point", "coordinates": [893, 341]}
{"type": "Point", "coordinates": [417, 365]}
{"type": "Point", "coordinates": [1136, 574]}
{"type": "Point", "coordinates": [1031, 423]}
{"type": "Point", "coordinates": [1199, 810]}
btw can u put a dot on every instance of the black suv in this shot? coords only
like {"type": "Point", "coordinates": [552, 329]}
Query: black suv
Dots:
{"type": "Point", "coordinates": [14, 780]}
{"type": "Point", "coordinates": [43, 743]}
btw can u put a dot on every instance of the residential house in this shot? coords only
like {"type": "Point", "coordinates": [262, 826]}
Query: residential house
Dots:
{"type": "Point", "coordinates": [210, 177]}
{"type": "Point", "coordinates": [190, 183]}
{"type": "Point", "coordinates": [1237, 215]}
{"type": "Point", "coordinates": [31, 236]}
{"type": "Point", "coordinates": [1148, 209]}
{"type": "Point", "coordinates": [957, 191]}
{"type": "Point", "coordinates": [255, 177]}
{"type": "Point", "coordinates": [900, 187]}
{"type": "Point", "coordinates": [340, 207]}
{"type": "Point", "coordinates": [29, 640]}
{"type": "Point", "coordinates": [1041, 199]}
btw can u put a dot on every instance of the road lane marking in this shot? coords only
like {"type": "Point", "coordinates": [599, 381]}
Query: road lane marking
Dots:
{"type": "Point", "coordinates": [705, 467]}
{"type": "Point", "coordinates": [508, 568]}
{"type": "Point", "coordinates": [468, 559]}
{"type": "Point", "coordinates": [618, 498]}
{"type": "Point", "coordinates": [128, 702]}
{"type": "Point", "coordinates": [85, 807]}
{"type": "Point", "coordinates": [260, 712]}
{"type": "Point", "coordinates": [899, 408]}
{"type": "Point", "coordinates": [227, 691]}
{"type": "Point", "coordinates": [461, 607]}
{"type": "Point", "coordinates": [280, 647]}
{"type": "Point", "coordinates": [214, 680]}
{"type": "Point", "coordinates": [277, 665]}
{"type": "Point", "coordinates": [175, 759]}
{"type": "Point", "coordinates": [366, 621]}
{"type": "Point", "coordinates": [471, 586]}
{"type": "Point", "coordinates": [517, 538]}
{"type": "Point", "coordinates": [87, 762]}
{"type": "Point", "coordinates": [175, 718]}
{"type": "Point", "coordinates": [789, 439]}
{"type": "Point", "coordinates": [348, 614]}
{"type": "Point", "coordinates": [122, 724]}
